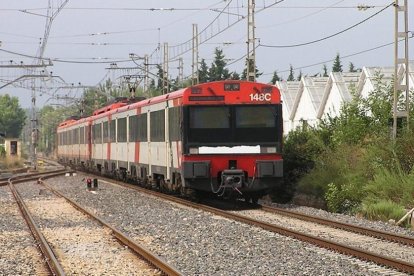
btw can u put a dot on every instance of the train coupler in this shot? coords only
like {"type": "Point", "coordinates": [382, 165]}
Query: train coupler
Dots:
{"type": "Point", "coordinates": [232, 179]}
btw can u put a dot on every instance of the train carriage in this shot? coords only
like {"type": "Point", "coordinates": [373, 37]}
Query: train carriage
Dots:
{"type": "Point", "coordinates": [221, 137]}
{"type": "Point", "coordinates": [73, 141]}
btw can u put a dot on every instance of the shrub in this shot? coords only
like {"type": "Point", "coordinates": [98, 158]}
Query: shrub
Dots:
{"type": "Point", "coordinates": [392, 185]}
{"type": "Point", "coordinates": [383, 210]}
{"type": "Point", "coordinates": [301, 148]}
{"type": "Point", "coordinates": [2, 152]}
{"type": "Point", "coordinates": [343, 199]}
{"type": "Point", "coordinates": [337, 178]}
{"type": "Point", "coordinates": [404, 150]}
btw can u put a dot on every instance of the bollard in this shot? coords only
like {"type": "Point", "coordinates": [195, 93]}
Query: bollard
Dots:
{"type": "Point", "coordinates": [95, 183]}
{"type": "Point", "coordinates": [89, 183]}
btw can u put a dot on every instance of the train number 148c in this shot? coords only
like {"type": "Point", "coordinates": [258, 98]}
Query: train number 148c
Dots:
{"type": "Point", "coordinates": [260, 97]}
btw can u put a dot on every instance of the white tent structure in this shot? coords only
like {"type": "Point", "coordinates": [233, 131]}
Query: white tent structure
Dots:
{"type": "Point", "coordinates": [312, 98]}
{"type": "Point", "coordinates": [339, 89]}
{"type": "Point", "coordinates": [289, 91]}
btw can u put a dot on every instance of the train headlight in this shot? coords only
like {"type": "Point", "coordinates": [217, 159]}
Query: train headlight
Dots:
{"type": "Point", "coordinates": [268, 150]}
{"type": "Point", "coordinates": [193, 150]}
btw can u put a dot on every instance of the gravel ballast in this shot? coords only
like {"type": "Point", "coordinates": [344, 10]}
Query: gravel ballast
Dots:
{"type": "Point", "coordinates": [19, 254]}
{"type": "Point", "coordinates": [82, 246]}
{"type": "Point", "coordinates": [198, 243]}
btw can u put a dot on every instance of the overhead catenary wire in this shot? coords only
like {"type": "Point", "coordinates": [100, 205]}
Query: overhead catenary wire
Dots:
{"type": "Point", "coordinates": [172, 9]}
{"type": "Point", "coordinates": [327, 37]}
{"type": "Point", "coordinates": [219, 32]}
{"type": "Point", "coordinates": [331, 60]}
{"type": "Point", "coordinates": [301, 17]}
{"type": "Point", "coordinates": [63, 60]}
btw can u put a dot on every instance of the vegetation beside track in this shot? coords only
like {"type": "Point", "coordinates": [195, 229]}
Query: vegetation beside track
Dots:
{"type": "Point", "coordinates": [10, 163]}
{"type": "Point", "coordinates": [351, 164]}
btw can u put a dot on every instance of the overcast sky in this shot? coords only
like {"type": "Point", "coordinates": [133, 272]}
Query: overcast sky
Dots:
{"type": "Point", "coordinates": [91, 31]}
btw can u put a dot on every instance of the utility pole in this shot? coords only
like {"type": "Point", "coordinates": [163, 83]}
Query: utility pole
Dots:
{"type": "Point", "coordinates": [146, 77]}
{"type": "Point", "coordinates": [401, 84]}
{"type": "Point", "coordinates": [180, 71]}
{"type": "Point", "coordinates": [51, 15]}
{"type": "Point", "coordinates": [194, 76]}
{"type": "Point", "coordinates": [165, 83]}
{"type": "Point", "coordinates": [251, 47]}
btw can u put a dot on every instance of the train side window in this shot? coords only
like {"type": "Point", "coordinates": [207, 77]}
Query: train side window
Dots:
{"type": "Point", "coordinates": [112, 130]}
{"type": "Point", "coordinates": [174, 123]}
{"type": "Point", "coordinates": [122, 130]}
{"type": "Point", "coordinates": [105, 132]}
{"type": "Point", "coordinates": [132, 128]}
{"type": "Point", "coordinates": [142, 127]}
{"type": "Point", "coordinates": [76, 136]}
{"type": "Point", "coordinates": [82, 135]}
{"type": "Point", "coordinates": [157, 127]}
{"type": "Point", "coordinates": [97, 133]}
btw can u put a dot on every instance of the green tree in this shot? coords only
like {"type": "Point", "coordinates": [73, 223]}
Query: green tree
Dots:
{"type": "Point", "coordinates": [325, 71]}
{"type": "Point", "coordinates": [244, 73]}
{"type": "Point", "coordinates": [49, 119]}
{"type": "Point", "coordinates": [352, 68]}
{"type": "Point", "coordinates": [218, 70]}
{"type": "Point", "coordinates": [152, 89]}
{"type": "Point", "coordinates": [337, 66]}
{"type": "Point", "coordinates": [275, 78]}
{"type": "Point", "coordinates": [12, 116]}
{"type": "Point", "coordinates": [291, 76]}
{"type": "Point", "coordinates": [93, 98]}
{"type": "Point", "coordinates": [175, 84]}
{"type": "Point", "coordinates": [235, 76]}
{"type": "Point", "coordinates": [299, 76]}
{"type": "Point", "coordinates": [203, 72]}
{"type": "Point", "coordinates": [160, 75]}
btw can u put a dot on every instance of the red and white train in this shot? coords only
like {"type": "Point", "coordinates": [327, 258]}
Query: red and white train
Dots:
{"type": "Point", "coordinates": [222, 137]}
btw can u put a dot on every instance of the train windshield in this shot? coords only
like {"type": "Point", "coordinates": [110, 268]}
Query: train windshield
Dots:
{"type": "Point", "coordinates": [213, 117]}
{"type": "Point", "coordinates": [233, 125]}
{"type": "Point", "coordinates": [255, 117]}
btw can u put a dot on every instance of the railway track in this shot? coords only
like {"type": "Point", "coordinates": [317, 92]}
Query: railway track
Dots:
{"type": "Point", "coordinates": [52, 259]}
{"type": "Point", "coordinates": [24, 175]}
{"type": "Point", "coordinates": [53, 265]}
{"type": "Point", "coordinates": [401, 239]}
{"type": "Point", "coordinates": [354, 251]}
{"type": "Point", "coordinates": [140, 250]}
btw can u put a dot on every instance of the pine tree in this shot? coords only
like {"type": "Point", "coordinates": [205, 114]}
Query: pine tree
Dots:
{"type": "Point", "coordinates": [337, 66]}
{"type": "Point", "coordinates": [325, 71]}
{"type": "Point", "coordinates": [244, 73]}
{"type": "Point", "coordinates": [291, 76]}
{"type": "Point", "coordinates": [235, 76]}
{"type": "Point", "coordinates": [218, 70]}
{"type": "Point", "coordinates": [160, 75]}
{"type": "Point", "coordinates": [203, 72]}
{"type": "Point", "coordinates": [352, 68]}
{"type": "Point", "coordinates": [300, 76]}
{"type": "Point", "coordinates": [275, 78]}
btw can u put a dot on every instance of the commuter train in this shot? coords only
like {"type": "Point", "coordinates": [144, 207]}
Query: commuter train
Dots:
{"type": "Point", "coordinates": [221, 137]}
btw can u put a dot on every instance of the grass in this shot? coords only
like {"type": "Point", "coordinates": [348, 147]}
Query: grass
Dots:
{"type": "Point", "coordinates": [10, 162]}
{"type": "Point", "coordinates": [383, 210]}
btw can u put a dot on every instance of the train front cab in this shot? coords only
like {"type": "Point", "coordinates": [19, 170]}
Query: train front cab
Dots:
{"type": "Point", "coordinates": [233, 144]}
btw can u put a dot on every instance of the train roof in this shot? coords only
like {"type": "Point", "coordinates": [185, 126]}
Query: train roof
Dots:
{"type": "Point", "coordinates": [125, 105]}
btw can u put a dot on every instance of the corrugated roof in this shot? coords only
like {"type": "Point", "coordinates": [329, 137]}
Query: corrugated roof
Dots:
{"type": "Point", "coordinates": [316, 88]}
{"type": "Point", "coordinates": [289, 91]}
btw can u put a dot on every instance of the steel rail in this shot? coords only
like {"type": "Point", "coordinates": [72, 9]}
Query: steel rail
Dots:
{"type": "Point", "coordinates": [341, 225]}
{"type": "Point", "coordinates": [155, 260]}
{"type": "Point", "coordinates": [325, 243]}
{"type": "Point", "coordinates": [31, 176]}
{"type": "Point", "coordinates": [51, 260]}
